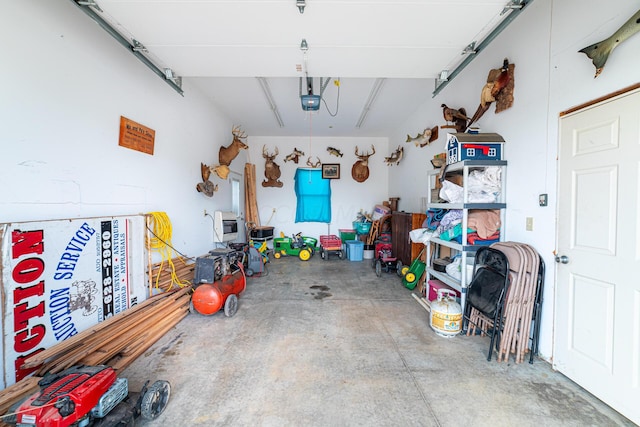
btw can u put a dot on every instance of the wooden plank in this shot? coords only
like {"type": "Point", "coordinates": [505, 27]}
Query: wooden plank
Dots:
{"type": "Point", "coordinates": [108, 342]}
{"type": "Point", "coordinates": [122, 362]}
{"type": "Point", "coordinates": [79, 339]}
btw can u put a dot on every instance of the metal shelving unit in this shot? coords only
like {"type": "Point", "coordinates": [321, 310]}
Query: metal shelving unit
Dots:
{"type": "Point", "coordinates": [466, 251]}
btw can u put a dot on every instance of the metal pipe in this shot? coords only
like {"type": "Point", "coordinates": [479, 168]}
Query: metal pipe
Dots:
{"type": "Point", "coordinates": [483, 44]}
{"type": "Point", "coordinates": [86, 8]}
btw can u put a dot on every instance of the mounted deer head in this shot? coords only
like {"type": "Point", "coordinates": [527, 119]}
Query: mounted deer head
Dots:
{"type": "Point", "coordinates": [227, 154]}
{"type": "Point", "coordinates": [271, 169]}
{"type": "Point", "coordinates": [360, 169]}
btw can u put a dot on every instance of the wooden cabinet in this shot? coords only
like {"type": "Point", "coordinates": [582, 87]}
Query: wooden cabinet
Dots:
{"type": "Point", "coordinates": [401, 224]}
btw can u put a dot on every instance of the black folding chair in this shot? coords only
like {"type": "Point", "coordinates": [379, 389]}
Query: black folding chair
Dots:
{"type": "Point", "coordinates": [487, 293]}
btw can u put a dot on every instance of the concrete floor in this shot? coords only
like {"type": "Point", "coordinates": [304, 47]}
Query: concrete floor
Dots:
{"type": "Point", "coordinates": [327, 343]}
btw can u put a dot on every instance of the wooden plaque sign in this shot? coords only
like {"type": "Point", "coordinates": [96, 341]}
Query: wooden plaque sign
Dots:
{"type": "Point", "coordinates": [136, 136]}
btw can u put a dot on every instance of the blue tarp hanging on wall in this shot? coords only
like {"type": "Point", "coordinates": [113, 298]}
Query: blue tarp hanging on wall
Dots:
{"type": "Point", "coordinates": [314, 196]}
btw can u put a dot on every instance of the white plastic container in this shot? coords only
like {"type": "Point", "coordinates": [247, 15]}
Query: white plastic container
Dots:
{"type": "Point", "coordinates": [446, 314]}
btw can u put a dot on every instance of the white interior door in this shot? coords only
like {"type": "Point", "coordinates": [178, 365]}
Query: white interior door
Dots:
{"type": "Point", "coordinates": [597, 318]}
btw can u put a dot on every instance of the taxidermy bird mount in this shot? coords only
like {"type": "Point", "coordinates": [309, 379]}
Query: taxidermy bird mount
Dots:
{"type": "Point", "coordinates": [498, 89]}
{"type": "Point", "coordinates": [425, 138]}
{"type": "Point", "coordinates": [458, 118]}
{"type": "Point", "coordinates": [599, 52]}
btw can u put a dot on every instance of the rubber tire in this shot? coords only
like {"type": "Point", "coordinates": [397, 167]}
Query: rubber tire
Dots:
{"type": "Point", "coordinates": [155, 399]}
{"type": "Point", "coordinates": [404, 270]}
{"type": "Point", "coordinates": [276, 255]}
{"type": "Point", "coordinates": [410, 277]}
{"type": "Point", "coordinates": [323, 254]}
{"type": "Point", "coordinates": [248, 272]}
{"type": "Point", "coordinates": [378, 268]}
{"type": "Point", "coordinates": [304, 255]}
{"type": "Point", "coordinates": [231, 305]}
{"type": "Point", "coordinates": [341, 254]}
{"type": "Point", "coordinates": [399, 268]}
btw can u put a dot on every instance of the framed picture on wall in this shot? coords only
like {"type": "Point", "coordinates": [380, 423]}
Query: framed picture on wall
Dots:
{"type": "Point", "coordinates": [331, 170]}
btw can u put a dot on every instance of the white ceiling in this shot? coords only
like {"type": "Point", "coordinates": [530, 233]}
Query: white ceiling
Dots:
{"type": "Point", "coordinates": [221, 46]}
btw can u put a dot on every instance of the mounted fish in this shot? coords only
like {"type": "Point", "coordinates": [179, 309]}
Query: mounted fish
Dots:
{"type": "Point", "coordinates": [360, 169]}
{"type": "Point", "coordinates": [425, 138]}
{"type": "Point", "coordinates": [395, 157]}
{"type": "Point", "coordinates": [294, 156]}
{"type": "Point", "coordinates": [206, 187]}
{"type": "Point", "coordinates": [334, 151]}
{"type": "Point", "coordinates": [456, 119]}
{"type": "Point", "coordinates": [313, 165]}
{"type": "Point", "coordinates": [227, 154]}
{"type": "Point", "coordinates": [498, 89]}
{"type": "Point", "coordinates": [599, 52]}
{"type": "Point", "coordinates": [271, 169]}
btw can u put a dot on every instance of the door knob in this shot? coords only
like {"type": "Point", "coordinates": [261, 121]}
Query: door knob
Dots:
{"type": "Point", "coordinates": [562, 259]}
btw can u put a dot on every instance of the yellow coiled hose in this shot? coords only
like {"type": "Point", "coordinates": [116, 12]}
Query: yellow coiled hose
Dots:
{"type": "Point", "coordinates": [160, 240]}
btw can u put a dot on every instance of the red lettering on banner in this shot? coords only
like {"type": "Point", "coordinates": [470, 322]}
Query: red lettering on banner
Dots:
{"type": "Point", "coordinates": [28, 270]}
{"type": "Point", "coordinates": [27, 340]}
{"type": "Point", "coordinates": [28, 301]}
{"type": "Point", "coordinates": [31, 242]}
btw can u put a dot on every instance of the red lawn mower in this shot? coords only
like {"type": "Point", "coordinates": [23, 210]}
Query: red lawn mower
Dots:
{"type": "Point", "coordinates": [89, 396]}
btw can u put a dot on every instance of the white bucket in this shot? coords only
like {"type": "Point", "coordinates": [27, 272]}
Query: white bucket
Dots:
{"type": "Point", "coordinates": [446, 314]}
{"type": "Point", "coordinates": [368, 252]}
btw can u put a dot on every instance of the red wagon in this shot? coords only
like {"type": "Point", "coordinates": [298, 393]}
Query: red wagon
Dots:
{"type": "Point", "coordinates": [330, 244]}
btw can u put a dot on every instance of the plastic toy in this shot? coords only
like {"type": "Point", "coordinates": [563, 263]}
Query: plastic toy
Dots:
{"type": "Point", "coordinates": [384, 261]}
{"type": "Point", "coordinates": [302, 247]}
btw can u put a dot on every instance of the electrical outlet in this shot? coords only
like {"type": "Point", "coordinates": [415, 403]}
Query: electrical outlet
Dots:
{"type": "Point", "coordinates": [529, 225]}
{"type": "Point", "coordinates": [542, 199]}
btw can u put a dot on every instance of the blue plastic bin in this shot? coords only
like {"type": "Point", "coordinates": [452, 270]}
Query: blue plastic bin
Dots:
{"type": "Point", "coordinates": [355, 250]}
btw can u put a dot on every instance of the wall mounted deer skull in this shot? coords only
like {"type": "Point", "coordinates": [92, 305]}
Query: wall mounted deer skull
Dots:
{"type": "Point", "coordinates": [360, 169]}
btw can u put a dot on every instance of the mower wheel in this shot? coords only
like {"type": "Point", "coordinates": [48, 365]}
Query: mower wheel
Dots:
{"type": "Point", "coordinates": [323, 254]}
{"type": "Point", "coordinates": [248, 272]}
{"type": "Point", "coordinates": [155, 399]}
{"type": "Point", "coordinates": [276, 255]}
{"type": "Point", "coordinates": [378, 268]}
{"type": "Point", "coordinates": [399, 268]}
{"type": "Point", "coordinates": [304, 255]}
{"type": "Point", "coordinates": [410, 277]}
{"type": "Point", "coordinates": [341, 254]}
{"type": "Point", "coordinates": [231, 305]}
{"type": "Point", "coordinates": [404, 270]}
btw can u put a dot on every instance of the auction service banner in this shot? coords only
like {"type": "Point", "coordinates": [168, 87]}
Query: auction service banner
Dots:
{"type": "Point", "coordinates": [61, 277]}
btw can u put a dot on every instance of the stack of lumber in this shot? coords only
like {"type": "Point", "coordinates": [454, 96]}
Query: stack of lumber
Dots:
{"type": "Point", "coordinates": [251, 212]}
{"type": "Point", "coordinates": [119, 340]}
{"type": "Point", "coordinates": [116, 342]}
{"type": "Point", "coordinates": [16, 392]}
{"type": "Point", "coordinates": [174, 274]}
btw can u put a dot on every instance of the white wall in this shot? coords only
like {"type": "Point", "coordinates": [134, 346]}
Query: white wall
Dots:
{"type": "Point", "coordinates": [65, 84]}
{"type": "Point", "coordinates": [348, 197]}
{"type": "Point", "coordinates": [550, 76]}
